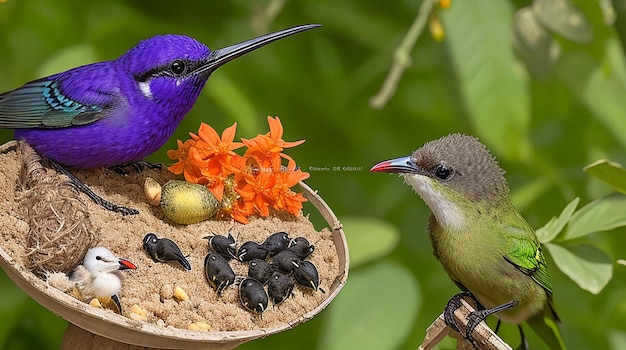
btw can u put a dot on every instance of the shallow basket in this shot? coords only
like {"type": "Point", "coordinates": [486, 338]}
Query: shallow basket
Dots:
{"type": "Point", "coordinates": [92, 328]}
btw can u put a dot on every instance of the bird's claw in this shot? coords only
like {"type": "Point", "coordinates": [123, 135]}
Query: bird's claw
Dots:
{"type": "Point", "coordinates": [473, 320]}
{"type": "Point", "coordinates": [137, 166]}
{"type": "Point", "coordinates": [80, 186]}
{"type": "Point", "coordinates": [453, 304]}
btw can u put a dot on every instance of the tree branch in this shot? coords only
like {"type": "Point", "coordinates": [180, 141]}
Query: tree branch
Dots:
{"type": "Point", "coordinates": [402, 56]}
{"type": "Point", "coordinates": [485, 338]}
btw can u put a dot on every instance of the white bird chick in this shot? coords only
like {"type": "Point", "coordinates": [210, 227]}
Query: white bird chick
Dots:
{"type": "Point", "coordinates": [99, 275]}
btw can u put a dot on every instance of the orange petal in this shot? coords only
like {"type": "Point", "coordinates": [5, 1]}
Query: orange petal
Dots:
{"type": "Point", "coordinates": [208, 134]}
{"type": "Point", "coordinates": [285, 144]}
{"type": "Point", "coordinates": [218, 190]}
{"type": "Point", "coordinates": [229, 133]}
{"type": "Point", "coordinates": [177, 168]}
{"type": "Point", "coordinates": [276, 128]}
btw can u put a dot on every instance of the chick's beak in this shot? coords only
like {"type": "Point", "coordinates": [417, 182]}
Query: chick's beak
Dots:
{"type": "Point", "coordinates": [398, 165]}
{"type": "Point", "coordinates": [125, 265]}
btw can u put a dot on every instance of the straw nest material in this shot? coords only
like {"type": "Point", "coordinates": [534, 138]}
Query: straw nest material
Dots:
{"type": "Point", "coordinates": [60, 230]}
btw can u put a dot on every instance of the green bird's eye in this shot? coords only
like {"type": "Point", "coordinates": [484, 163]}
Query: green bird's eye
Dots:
{"type": "Point", "coordinates": [443, 172]}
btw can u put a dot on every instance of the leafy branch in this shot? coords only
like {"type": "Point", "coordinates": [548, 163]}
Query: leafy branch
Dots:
{"type": "Point", "coordinates": [588, 266]}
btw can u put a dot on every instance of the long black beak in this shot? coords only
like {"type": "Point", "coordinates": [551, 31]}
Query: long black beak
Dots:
{"type": "Point", "coordinates": [229, 53]}
{"type": "Point", "coordinates": [398, 165]}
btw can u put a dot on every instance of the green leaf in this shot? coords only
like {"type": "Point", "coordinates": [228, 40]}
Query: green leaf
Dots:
{"type": "Point", "coordinates": [556, 225]}
{"type": "Point", "coordinates": [610, 172]}
{"type": "Point", "coordinates": [599, 86]}
{"type": "Point", "coordinates": [376, 310]}
{"type": "Point", "coordinates": [69, 57]}
{"type": "Point", "coordinates": [494, 89]}
{"type": "Point", "coordinates": [235, 104]}
{"type": "Point", "coordinates": [586, 265]}
{"type": "Point", "coordinates": [617, 339]}
{"type": "Point", "coordinates": [602, 214]}
{"type": "Point", "coordinates": [564, 19]}
{"type": "Point", "coordinates": [368, 239]}
{"type": "Point", "coordinates": [534, 44]}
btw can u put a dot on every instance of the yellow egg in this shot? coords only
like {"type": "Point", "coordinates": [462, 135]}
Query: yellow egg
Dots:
{"type": "Point", "coordinates": [187, 203]}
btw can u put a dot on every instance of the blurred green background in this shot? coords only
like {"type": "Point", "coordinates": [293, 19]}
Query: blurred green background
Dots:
{"type": "Point", "coordinates": [547, 103]}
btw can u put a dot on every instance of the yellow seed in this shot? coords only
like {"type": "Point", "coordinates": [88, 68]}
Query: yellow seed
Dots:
{"type": "Point", "coordinates": [187, 203]}
{"type": "Point", "coordinates": [138, 310]}
{"type": "Point", "coordinates": [96, 303]}
{"type": "Point", "coordinates": [152, 190]}
{"type": "Point", "coordinates": [138, 313]}
{"type": "Point", "coordinates": [180, 294]}
{"type": "Point", "coordinates": [137, 317]}
{"type": "Point", "coordinates": [199, 326]}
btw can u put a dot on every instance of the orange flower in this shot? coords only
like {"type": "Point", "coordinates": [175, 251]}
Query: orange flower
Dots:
{"type": "Point", "coordinates": [284, 197]}
{"type": "Point", "coordinates": [258, 191]}
{"type": "Point", "coordinates": [254, 182]}
{"type": "Point", "coordinates": [215, 157]}
{"type": "Point", "coordinates": [211, 145]}
{"type": "Point", "coordinates": [184, 166]}
{"type": "Point", "coordinates": [241, 211]}
{"type": "Point", "coordinates": [267, 149]}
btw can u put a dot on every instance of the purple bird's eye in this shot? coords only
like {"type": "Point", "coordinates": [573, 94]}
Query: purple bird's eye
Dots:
{"type": "Point", "coordinates": [178, 67]}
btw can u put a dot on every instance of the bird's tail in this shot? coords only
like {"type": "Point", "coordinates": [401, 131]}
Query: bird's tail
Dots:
{"type": "Point", "coordinates": [546, 326]}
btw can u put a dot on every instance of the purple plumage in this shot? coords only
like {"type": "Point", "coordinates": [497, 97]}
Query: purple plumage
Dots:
{"type": "Point", "coordinates": [114, 112]}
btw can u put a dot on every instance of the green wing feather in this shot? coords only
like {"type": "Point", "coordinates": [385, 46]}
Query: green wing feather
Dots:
{"type": "Point", "coordinates": [524, 251]}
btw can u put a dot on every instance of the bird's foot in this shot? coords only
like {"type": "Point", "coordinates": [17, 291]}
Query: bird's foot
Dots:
{"type": "Point", "coordinates": [453, 304]}
{"type": "Point", "coordinates": [138, 167]}
{"type": "Point", "coordinates": [79, 185]}
{"type": "Point", "coordinates": [476, 317]}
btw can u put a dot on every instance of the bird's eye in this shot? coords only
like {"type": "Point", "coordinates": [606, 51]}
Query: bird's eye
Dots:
{"type": "Point", "coordinates": [178, 67]}
{"type": "Point", "coordinates": [443, 172]}
{"type": "Point", "coordinates": [98, 257]}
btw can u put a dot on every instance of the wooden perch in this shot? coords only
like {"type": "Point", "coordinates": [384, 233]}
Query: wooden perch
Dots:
{"type": "Point", "coordinates": [485, 338]}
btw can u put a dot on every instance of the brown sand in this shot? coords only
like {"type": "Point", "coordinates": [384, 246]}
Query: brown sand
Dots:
{"type": "Point", "coordinates": [123, 236]}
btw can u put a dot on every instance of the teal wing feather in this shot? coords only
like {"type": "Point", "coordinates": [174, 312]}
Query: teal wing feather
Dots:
{"type": "Point", "coordinates": [524, 251]}
{"type": "Point", "coordinates": [42, 104]}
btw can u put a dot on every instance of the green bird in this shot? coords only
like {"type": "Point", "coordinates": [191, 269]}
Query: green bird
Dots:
{"type": "Point", "coordinates": [481, 240]}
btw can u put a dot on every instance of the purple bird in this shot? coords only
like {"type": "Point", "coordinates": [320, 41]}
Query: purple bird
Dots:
{"type": "Point", "coordinates": [115, 112]}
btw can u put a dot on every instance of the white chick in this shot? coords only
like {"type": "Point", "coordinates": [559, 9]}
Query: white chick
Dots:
{"type": "Point", "coordinates": [99, 275]}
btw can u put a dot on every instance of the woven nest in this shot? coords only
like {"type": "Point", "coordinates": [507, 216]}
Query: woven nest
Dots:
{"type": "Point", "coordinates": [60, 230]}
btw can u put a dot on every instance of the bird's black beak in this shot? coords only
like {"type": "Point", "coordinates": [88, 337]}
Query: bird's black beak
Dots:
{"type": "Point", "coordinates": [229, 53]}
{"type": "Point", "coordinates": [398, 165]}
{"type": "Point", "coordinates": [125, 265]}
